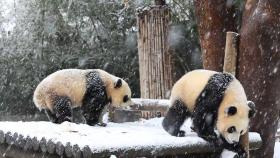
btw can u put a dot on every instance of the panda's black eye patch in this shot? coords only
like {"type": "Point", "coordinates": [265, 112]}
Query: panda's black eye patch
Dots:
{"type": "Point", "coordinates": [231, 110]}
{"type": "Point", "coordinates": [231, 129]}
{"type": "Point", "coordinates": [125, 98]}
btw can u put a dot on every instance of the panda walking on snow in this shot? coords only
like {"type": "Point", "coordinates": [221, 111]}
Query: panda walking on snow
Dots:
{"type": "Point", "coordinates": [90, 89]}
{"type": "Point", "coordinates": [217, 104]}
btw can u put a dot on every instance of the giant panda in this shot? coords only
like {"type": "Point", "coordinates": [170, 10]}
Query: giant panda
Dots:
{"type": "Point", "coordinates": [90, 89]}
{"type": "Point", "coordinates": [216, 103]}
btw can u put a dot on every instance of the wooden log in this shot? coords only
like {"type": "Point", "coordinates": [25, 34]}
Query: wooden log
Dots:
{"type": "Point", "coordinates": [77, 153]}
{"type": "Point", "coordinates": [15, 137]}
{"type": "Point", "coordinates": [43, 145]}
{"type": "Point", "coordinates": [87, 153]}
{"type": "Point", "coordinates": [8, 138]}
{"type": "Point", "coordinates": [142, 108]}
{"type": "Point", "coordinates": [51, 146]}
{"type": "Point", "coordinates": [2, 137]}
{"type": "Point", "coordinates": [68, 150]}
{"type": "Point", "coordinates": [28, 144]}
{"type": "Point", "coordinates": [20, 142]}
{"type": "Point", "coordinates": [35, 144]}
{"type": "Point", "coordinates": [59, 148]}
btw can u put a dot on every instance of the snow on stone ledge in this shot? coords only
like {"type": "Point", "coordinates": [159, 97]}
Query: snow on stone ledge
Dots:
{"type": "Point", "coordinates": [146, 136]}
{"type": "Point", "coordinates": [152, 102]}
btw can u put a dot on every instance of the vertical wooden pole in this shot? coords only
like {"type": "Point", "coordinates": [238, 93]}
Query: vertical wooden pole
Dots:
{"type": "Point", "coordinates": [230, 63]}
{"type": "Point", "coordinates": [231, 51]}
{"type": "Point", "coordinates": [155, 58]}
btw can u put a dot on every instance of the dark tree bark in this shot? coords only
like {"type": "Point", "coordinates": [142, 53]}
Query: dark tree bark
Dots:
{"type": "Point", "coordinates": [259, 67]}
{"type": "Point", "coordinates": [214, 18]}
{"type": "Point", "coordinates": [258, 61]}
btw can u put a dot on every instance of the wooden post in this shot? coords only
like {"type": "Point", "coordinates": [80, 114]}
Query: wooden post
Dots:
{"type": "Point", "coordinates": [155, 59]}
{"type": "Point", "coordinates": [231, 51]}
{"type": "Point", "coordinates": [230, 63]}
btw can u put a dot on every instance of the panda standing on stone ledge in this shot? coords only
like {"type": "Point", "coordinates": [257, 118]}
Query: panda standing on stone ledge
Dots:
{"type": "Point", "coordinates": [90, 89]}
{"type": "Point", "coordinates": [216, 103]}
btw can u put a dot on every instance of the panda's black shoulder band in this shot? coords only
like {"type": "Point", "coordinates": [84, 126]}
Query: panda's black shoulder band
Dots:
{"type": "Point", "coordinates": [95, 97]}
{"type": "Point", "coordinates": [208, 102]}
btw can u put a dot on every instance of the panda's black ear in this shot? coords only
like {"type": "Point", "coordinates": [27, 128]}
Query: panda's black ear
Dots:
{"type": "Point", "coordinates": [118, 83]}
{"type": "Point", "coordinates": [252, 110]}
{"type": "Point", "coordinates": [231, 110]}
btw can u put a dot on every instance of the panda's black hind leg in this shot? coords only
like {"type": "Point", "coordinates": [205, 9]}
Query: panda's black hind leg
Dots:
{"type": "Point", "coordinates": [51, 116]}
{"type": "Point", "coordinates": [175, 117]}
{"type": "Point", "coordinates": [62, 110]}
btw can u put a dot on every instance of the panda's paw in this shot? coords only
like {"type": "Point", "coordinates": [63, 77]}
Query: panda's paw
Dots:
{"type": "Point", "coordinates": [102, 124]}
{"type": "Point", "coordinates": [181, 134]}
{"type": "Point", "coordinates": [235, 156]}
{"type": "Point", "coordinates": [242, 155]}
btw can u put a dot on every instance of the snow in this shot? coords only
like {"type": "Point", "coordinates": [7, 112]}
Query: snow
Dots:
{"type": "Point", "coordinates": [152, 102]}
{"type": "Point", "coordinates": [227, 154]}
{"type": "Point", "coordinates": [114, 137]}
{"type": "Point", "coordinates": [277, 150]}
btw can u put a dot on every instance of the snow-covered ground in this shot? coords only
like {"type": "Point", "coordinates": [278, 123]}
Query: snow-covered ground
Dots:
{"type": "Point", "coordinates": [114, 136]}
{"type": "Point", "coordinates": [130, 135]}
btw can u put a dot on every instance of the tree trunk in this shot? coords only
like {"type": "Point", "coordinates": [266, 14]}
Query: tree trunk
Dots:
{"type": "Point", "coordinates": [155, 62]}
{"type": "Point", "coordinates": [259, 67]}
{"type": "Point", "coordinates": [214, 18]}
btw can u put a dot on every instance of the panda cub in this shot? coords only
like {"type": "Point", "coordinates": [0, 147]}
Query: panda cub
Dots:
{"type": "Point", "coordinates": [91, 90]}
{"type": "Point", "coordinates": [216, 103]}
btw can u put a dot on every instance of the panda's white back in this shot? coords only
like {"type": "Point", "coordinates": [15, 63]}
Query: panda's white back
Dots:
{"type": "Point", "coordinates": [68, 82]}
{"type": "Point", "coordinates": [189, 87]}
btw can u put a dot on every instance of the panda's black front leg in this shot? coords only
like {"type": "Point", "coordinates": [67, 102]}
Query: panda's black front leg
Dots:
{"type": "Point", "coordinates": [203, 124]}
{"type": "Point", "coordinates": [92, 111]}
{"type": "Point", "coordinates": [174, 118]}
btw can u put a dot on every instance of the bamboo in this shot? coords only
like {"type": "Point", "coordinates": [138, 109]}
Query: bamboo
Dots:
{"type": "Point", "coordinates": [154, 58]}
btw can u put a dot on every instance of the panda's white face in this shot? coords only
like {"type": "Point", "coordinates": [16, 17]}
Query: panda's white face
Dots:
{"type": "Point", "coordinates": [234, 113]}
{"type": "Point", "coordinates": [232, 134]}
{"type": "Point", "coordinates": [234, 122]}
{"type": "Point", "coordinates": [120, 94]}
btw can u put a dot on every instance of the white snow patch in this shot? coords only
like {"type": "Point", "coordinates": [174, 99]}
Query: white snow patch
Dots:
{"type": "Point", "coordinates": [227, 154]}
{"type": "Point", "coordinates": [152, 102]}
{"type": "Point", "coordinates": [277, 149]}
